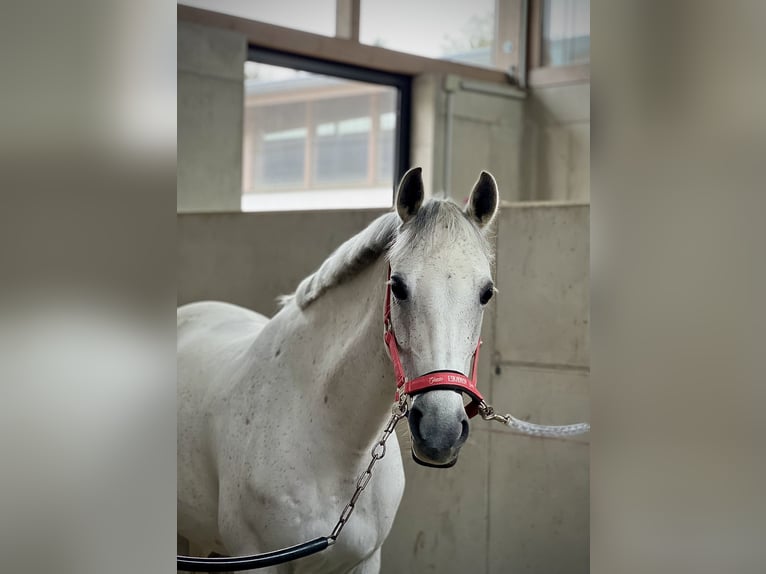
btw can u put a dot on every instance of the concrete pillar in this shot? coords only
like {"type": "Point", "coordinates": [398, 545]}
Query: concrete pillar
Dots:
{"type": "Point", "coordinates": [210, 112]}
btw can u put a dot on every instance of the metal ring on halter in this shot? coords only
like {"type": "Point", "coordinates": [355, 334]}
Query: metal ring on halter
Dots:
{"type": "Point", "coordinates": [488, 413]}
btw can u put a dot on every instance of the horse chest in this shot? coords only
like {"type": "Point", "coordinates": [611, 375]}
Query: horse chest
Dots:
{"type": "Point", "coordinates": [286, 504]}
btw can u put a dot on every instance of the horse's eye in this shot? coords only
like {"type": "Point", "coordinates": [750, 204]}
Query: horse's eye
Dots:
{"type": "Point", "coordinates": [398, 288]}
{"type": "Point", "coordinates": [486, 295]}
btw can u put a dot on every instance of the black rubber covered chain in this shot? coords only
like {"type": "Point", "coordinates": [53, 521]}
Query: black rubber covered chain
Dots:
{"type": "Point", "coordinates": [231, 564]}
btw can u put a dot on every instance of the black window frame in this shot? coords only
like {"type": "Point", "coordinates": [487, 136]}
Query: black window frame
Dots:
{"type": "Point", "coordinates": [402, 83]}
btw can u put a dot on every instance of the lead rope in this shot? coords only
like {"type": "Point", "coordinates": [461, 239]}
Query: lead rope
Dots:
{"type": "Point", "coordinates": [488, 413]}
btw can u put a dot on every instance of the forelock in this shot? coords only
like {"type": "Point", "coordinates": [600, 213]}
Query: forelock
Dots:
{"type": "Point", "coordinates": [438, 223]}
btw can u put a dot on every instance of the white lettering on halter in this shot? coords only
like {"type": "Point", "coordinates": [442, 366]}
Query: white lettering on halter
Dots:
{"type": "Point", "coordinates": [454, 379]}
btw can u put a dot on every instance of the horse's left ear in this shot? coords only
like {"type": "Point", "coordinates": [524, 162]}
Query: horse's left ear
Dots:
{"type": "Point", "coordinates": [409, 198]}
{"type": "Point", "coordinates": [482, 205]}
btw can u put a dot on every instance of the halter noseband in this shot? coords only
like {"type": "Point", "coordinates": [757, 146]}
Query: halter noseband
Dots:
{"type": "Point", "coordinates": [447, 380]}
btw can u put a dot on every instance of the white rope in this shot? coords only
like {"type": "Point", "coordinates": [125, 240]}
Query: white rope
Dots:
{"type": "Point", "coordinates": [545, 430]}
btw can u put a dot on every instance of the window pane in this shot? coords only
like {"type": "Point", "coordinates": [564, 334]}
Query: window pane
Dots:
{"type": "Point", "coordinates": [317, 16]}
{"type": "Point", "coordinates": [316, 142]}
{"type": "Point", "coordinates": [343, 127]}
{"type": "Point", "coordinates": [279, 145]}
{"type": "Point", "coordinates": [447, 29]}
{"type": "Point", "coordinates": [386, 136]}
{"type": "Point", "coordinates": [566, 32]}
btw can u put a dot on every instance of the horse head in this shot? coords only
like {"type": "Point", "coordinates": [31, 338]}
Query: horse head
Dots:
{"type": "Point", "coordinates": [440, 284]}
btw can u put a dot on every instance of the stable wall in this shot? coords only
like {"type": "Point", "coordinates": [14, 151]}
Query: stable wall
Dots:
{"type": "Point", "coordinates": [513, 503]}
{"type": "Point", "coordinates": [251, 258]}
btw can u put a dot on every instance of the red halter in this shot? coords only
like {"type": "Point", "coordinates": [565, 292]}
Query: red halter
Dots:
{"type": "Point", "coordinates": [451, 380]}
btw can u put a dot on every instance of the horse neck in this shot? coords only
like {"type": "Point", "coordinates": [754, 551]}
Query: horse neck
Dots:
{"type": "Point", "coordinates": [353, 378]}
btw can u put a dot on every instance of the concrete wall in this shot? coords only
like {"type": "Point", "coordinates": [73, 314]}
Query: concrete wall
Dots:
{"type": "Point", "coordinates": [538, 488]}
{"type": "Point", "coordinates": [251, 258]}
{"type": "Point", "coordinates": [556, 157]}
{"type": "Point", "coordinates": [513, 503]}
{"type": "Point", "coordinates": [210, 112]}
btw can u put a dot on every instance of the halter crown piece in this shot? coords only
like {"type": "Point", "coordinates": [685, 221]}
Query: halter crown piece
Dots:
{"type": "Point", "coordinates": [447, 380]}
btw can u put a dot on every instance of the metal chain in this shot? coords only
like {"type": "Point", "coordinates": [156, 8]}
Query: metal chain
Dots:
{"type": "Point", "coordinates": [399, 411]}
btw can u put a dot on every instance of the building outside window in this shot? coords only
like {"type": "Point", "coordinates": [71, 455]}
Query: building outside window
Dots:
{"type": "Point", "coordinates": [316, 141]}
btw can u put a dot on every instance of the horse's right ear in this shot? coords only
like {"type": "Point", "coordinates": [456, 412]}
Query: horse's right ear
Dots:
{"type": "Point", "coordinates": [482, 204]}
{"type": "Point", "coordinates": [410, 195]}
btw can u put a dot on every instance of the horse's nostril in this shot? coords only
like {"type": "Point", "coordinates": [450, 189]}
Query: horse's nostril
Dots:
{"type": "Point", "coordinates": [415, 417]}
{"type": "Point", "coordinates": [464, 433]}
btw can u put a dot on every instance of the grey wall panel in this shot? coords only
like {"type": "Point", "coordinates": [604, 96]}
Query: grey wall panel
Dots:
{"type": "Point", "coordinates": [542, 277]}
{"type": "Point", "coordinates": [442, 524]}
{"type": "Point", "coordinates": [539, 506]}
{"type": "Point", "coordinates": [251, 258]}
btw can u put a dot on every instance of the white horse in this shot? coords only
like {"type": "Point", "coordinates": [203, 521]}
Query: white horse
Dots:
{"type": "Point", "coordinates": [277, 417]}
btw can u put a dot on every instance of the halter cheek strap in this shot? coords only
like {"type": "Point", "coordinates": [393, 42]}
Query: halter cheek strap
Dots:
{"type": "Point", "coordinates": [448, 380]}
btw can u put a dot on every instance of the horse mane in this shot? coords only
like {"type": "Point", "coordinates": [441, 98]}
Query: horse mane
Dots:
{"type": "Point", "coordinates": [347, 260]}
{"type": "Point", "coordinates": [386, 234]}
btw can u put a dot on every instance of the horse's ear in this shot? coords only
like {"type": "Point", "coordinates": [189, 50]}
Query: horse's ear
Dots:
{"type": "Point", "coordinates": [482, 205]}
{"type": "Point", "coordinates": [409, 197]}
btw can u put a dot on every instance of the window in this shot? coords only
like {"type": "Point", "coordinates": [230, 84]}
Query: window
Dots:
{"type": "Point", "coordinates": [320, 141]}
{"type": "Point", "coordinates": [565, 32]}
{"type": "Point", "coordinates": [447, 29]}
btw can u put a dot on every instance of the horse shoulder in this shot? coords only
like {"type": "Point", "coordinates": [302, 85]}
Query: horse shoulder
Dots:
{"type": "Point", "coordinates": [212, 338]}
{"type": "Point", "coordinates": [217, 315]}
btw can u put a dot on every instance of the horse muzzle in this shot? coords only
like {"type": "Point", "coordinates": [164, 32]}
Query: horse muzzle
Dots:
{"type": "Point", "coordinates": [439, 428]}
{"type": "Point", "coordinates": [421, 462]}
